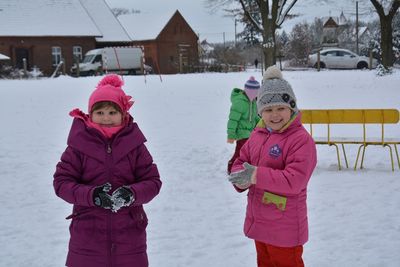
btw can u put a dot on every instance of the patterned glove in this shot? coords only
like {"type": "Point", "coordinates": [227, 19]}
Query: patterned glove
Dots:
{"type": "Point", "coordinates": [100, 196]}
{"type": "Point", "coordinates": [242, 177]}
{"type": "Point", "coordinates": [122, 197]}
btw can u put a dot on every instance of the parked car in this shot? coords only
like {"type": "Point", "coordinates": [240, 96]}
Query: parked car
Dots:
{"type": "Point", "coordinates": [337, 58]}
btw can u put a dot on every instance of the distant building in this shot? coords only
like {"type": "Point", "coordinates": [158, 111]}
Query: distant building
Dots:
{"type": "Point", "coordinates": [330, 33]}
{"type": "Point", "coordinates": [43, 32]}
{"type": "Point", "coordinates": [205, 51]}
{"type": "Point", "coordinates": [170, 44]}
{"type": "Point", "coordinates": [332, 26]}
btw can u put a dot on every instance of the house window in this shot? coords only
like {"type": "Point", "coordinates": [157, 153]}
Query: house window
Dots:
{"type": "Point", "coordinates": [55, 55]}
{"type": "Point", "coordinates": [77, 53]}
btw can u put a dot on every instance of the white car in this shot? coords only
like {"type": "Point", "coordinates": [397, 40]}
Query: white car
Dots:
{"type": "Point", "coordinates": [337, 58]}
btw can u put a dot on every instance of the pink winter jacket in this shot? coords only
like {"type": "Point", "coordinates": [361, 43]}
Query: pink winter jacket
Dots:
{"type": "Point", "coordinates": [276, 205]}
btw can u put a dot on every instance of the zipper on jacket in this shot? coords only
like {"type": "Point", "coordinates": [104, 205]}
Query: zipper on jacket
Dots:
{"type": "Point", "coordinates": [254, 199]}
{"type": "Point", "coordinates": [251, 111]}
{"type": "Point", "coordinates": [109, 150]}
{"type": "Point", "coordinates": [110, 244]}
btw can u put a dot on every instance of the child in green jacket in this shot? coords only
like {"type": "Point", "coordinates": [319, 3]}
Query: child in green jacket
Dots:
{"type": "Point", "coordinates": [243, 116]}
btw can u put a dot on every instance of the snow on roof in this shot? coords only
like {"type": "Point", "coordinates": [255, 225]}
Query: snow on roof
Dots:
{"type": "Point", "coordinates": [105, 20]}
{"type": "Point", "coordinates": [45, 18]}
{"type": "Point", "coordinates": [361, 30]}
{"type": "Point", "coordinates": [4, 57]}
{"type": "Point", "coordinates": [145, 25]}
{"type": "Point", "coordinates": [342, 19]}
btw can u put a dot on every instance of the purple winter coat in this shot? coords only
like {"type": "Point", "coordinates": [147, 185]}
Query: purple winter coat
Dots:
{"type": "Point", "coordinates": [100, 237]}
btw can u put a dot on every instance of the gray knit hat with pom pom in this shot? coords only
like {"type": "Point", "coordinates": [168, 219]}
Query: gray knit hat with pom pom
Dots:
{"type": "Point", "coordinates": [275, 91]}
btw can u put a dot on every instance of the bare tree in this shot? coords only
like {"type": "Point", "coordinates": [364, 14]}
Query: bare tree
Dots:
{"type": "Point", "coordinates": [386, 12]}
{"type": "Point", "coordinates": [272, 13]}
{"type": "Point", "coordinates": [299, 45]}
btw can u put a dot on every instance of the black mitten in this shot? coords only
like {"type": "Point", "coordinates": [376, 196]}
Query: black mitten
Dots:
{"type": "Point", "coordinates": [122, 197]}
{"type": "Point", "coordinates": [101, 198]}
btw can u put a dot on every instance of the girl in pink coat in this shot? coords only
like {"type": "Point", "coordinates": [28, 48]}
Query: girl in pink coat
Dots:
{"type": "Point", "coordinates": [107, 173]}
{"type": "Point", "coordinates": [275, 166]}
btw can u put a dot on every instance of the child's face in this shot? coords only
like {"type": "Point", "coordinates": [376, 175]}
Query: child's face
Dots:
{"type": "Point", "coordinates": [107, 117]}
{"type": "Point", "coordinates": [276, 117]}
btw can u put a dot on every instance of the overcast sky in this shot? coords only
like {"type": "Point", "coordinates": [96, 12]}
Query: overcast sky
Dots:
{"type": "Point", "coordinates": [214, 27]}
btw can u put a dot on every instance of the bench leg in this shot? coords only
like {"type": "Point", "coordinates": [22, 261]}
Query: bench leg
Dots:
{"type": "Point", "coordinates": [338, 156]}
{"type": "Point", "coordinates": [358, 154]}
{"type": "Point", "coordinates": [391, 155]}
{"type": "Point", "coordinates": [362, 158]}
{"type": "Point", "coordinates": [345, 157]}
{"type": "Point", "coordinates": [397, 155]}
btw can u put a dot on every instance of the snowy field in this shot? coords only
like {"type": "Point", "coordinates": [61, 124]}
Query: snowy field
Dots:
{"type": "Point", "coordinates": [197, 219]}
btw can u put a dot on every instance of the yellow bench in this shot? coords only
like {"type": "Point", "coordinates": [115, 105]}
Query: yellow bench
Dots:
{"type": "Point", "coordinates": [329, 117]}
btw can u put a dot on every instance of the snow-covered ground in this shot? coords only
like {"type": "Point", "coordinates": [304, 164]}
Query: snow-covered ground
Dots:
{"type": "Point", "coordinates": [197, 219]}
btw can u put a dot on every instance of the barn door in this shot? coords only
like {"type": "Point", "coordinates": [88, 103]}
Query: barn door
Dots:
{"type": "Point", "coordinates": [183, 52]}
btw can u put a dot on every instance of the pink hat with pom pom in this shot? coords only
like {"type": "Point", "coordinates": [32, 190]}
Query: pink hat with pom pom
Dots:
{"type": "Point", "coordinates": [109, 89]}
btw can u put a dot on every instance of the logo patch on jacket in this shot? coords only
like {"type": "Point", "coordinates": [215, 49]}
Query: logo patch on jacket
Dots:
{"type": "Point", "coordinates": [275, 151]}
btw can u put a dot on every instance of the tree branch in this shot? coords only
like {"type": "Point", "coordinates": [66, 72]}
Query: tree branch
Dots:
{"type": "Point", "coordinates": [378, 8]}
{"type": "Point", "coordinates": [250, 17]}
{"type": "Point", "coordinates": [281, 17]}
{"type": "Point", "coordinates": [395, 7]}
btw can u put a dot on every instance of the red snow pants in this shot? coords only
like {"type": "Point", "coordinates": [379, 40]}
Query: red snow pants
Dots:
{"type": "Point", "coordinates": [272, 256]}
{"type": "Point", "coordinates": [239, 144]}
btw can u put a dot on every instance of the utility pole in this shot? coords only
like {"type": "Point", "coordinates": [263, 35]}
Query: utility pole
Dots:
{"type": "Point", "coordinates": [357, 27]}
{"type": "Point", "coordinates": [235, 32]}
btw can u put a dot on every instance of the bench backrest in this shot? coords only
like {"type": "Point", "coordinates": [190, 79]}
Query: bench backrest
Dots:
{"type": "Point", "coordinates": [350, 116]}
{"type": "Point", "coordinates": [339, 116]}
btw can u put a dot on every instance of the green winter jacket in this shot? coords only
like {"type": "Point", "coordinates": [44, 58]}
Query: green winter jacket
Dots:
{"type": "Point", "coordinates": [243, 115]}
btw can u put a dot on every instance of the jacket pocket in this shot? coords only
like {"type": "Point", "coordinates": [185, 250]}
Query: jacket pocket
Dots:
{"type": "Point", "coordinates": [83, 228]}
{"type": "Point", "coordinates": [139, 219]}
{"type": "Point", "coordinates": [130, 232]}
{"type": "Point", "coordinates": [131, 221]}
{"type": "Point", "coordinates": [267, 207]}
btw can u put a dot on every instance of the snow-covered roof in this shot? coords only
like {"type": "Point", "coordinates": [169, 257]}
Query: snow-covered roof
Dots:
{"type": "Point", "coordinates": [361, 31]}
{"type": "Point", "coordinates": [105, 20]}
{"type": "Point", "coordinates": [45, 18]}
{"type": "Point", "coordinates": [61, 18]}
{"type": "Point", "coordinates": [342, 19]}
{"type": "Point", "coordinates": [206, 46]}
{"type": "Point", "coordinates": [4, 57]}
{"type": "Point", "coordinates": [145, 25]}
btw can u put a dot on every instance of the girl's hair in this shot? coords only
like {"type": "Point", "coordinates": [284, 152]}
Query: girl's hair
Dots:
{"type": "Point", "coordinates": [103, 104]}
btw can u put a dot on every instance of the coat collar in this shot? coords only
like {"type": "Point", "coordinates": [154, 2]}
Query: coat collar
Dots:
{"type": "Point", "coordinates": [94, 144]}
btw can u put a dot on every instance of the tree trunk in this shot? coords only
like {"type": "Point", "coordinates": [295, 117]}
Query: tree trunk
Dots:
{"type": "Point", "coordinates": [269, 44]}
{"type": "Point", "coordinates": [386, 30]}
{"type": "Point", "coordinates": [386, 41]}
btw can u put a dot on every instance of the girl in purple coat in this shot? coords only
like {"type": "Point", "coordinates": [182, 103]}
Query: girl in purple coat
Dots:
{"type": "Point", "coordinates": [275, 166]}
{"type": "Point", "coordinates": [107, 173]}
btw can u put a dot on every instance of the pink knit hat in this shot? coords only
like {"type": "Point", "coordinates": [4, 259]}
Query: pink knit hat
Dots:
{"type": "Point", "coordinates": [109, 89]}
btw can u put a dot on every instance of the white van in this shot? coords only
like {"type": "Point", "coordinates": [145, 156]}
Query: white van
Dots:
{"type": "Point", "coordinates": [121, 60]}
